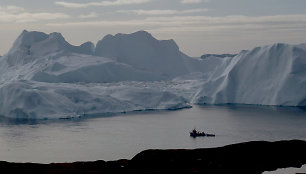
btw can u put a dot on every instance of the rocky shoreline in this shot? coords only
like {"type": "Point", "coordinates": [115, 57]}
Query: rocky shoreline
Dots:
{"type": "Point", "coordinates": [250, 157]}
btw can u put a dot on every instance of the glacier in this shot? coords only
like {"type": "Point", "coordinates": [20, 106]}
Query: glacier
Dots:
{"type": "Point", "coordinates": [43, 76]}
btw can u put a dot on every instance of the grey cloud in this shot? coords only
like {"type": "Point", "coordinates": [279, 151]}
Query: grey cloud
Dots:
{"type": "Point", "coordinates": [101, 3]}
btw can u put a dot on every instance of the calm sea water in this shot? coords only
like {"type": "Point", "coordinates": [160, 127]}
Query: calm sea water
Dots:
{"type": "Point", "coordinates": [123, 136]}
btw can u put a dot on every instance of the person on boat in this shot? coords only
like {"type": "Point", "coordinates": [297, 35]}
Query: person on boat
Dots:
{"type": "Point", "coordinates": [194, 131]}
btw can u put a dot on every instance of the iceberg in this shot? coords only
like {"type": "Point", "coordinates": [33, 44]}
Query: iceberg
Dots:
{"type": "Point", "coordinates": [44, 77]}
{"type": "Point", "coordinates": [269, 75]}
{"type": "Point", "coordinates": [142, 51]}
{"type": "Point", "coordinates": [217, 55]}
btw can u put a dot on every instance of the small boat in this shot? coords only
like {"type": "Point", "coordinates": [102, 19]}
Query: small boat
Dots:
{"type": "Point", "coordinates": [194, 133]}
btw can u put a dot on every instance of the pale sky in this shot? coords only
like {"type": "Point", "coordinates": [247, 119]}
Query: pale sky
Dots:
{"type": "Point", "coordinates": [198, 26]}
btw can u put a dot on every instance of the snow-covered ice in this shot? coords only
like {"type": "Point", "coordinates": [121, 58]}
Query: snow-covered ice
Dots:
{"type": "Point", "coordinates": [43, 76]}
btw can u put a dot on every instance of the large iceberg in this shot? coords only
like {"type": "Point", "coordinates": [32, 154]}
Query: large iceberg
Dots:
{"type": "Point", "coordinates": [269, 75]}
{"type": "Point", "coordinates": [142, 51]}
{"type": "Point", "coordinates": [43, 76]}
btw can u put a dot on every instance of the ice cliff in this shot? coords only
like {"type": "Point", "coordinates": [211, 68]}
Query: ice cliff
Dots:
{"type": "Point", "coordinates": [269, 75]}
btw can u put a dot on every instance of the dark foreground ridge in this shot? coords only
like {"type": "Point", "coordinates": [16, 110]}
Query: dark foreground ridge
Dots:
{"type": "Point", "coordinates": [251, 157]}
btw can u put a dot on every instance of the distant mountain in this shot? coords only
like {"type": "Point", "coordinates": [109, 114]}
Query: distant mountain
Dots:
{"type": "Point", "coordinates": [217, 55]}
